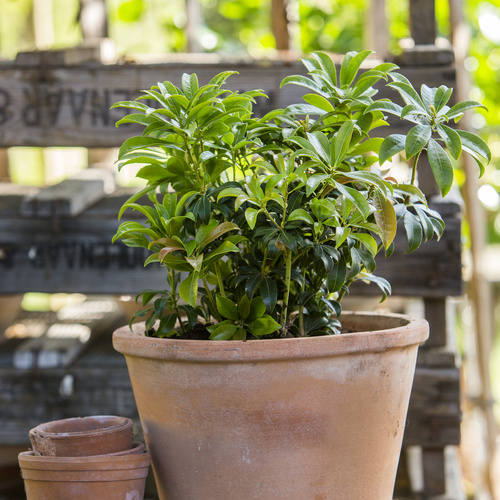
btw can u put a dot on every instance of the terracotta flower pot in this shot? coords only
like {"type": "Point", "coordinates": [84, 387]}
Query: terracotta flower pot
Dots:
{"type": "Point", "coordinates": [84, 478]}
{"type": "Point", "coordinates": [82, 437]}
{"type": "Point", "coordinates": [300, 418]}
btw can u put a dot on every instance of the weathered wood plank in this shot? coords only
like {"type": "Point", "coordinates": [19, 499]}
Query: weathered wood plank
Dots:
{"type": "Point", "coordinates": [435, 314]}
{"type": "Point", "coordinates": [434, 414]}
{"type": "Point", "coordinates": [69, 197]}
{"type": "Point", "coordinates": [79, 256]}
{"type": "Point", "coordinates": [433, 463]}
{"type": "Point", "coordinates": [57, 340]}
{"type": "Point", "coordinates": [69, 106]}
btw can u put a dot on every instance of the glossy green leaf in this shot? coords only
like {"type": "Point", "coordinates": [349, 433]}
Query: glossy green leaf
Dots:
{"type": "Point", "coordinates": [222, 331]}
{"type": "Point", "coordinates": [451, 139]}
{"type": "Point", "coordinates": [417, 139]}
{"type": "Point", "coordinates": [413, 231]}
{"type": "Point", "coordinates": [301, 214]}
{"type": "Point", "coordinates": [356, 197]}
{"type": "Point", "coordinates": [227, 308]}
{"type": "Point", "coordinates": [319, 102]}
{"type": "Point", "coordinates": [327, 65]}
{"type": "Point", "coordinates": [336, 276]}
{"type": "Point", "coordinates": [350, 66]}
{"type": "Point", "coordinates": [441, 166]}
{"type": "Point", "coordinates": [244, 307]}
{"type": "Point", "coordinates": [385, 217]}
{"type": "Point", "coordinates": [188, 289]}
{"type": "Point", "coordinates": [257, 309]}
{"type": "Point", "coordinates": [392, 145]}
{"type": "Point", "coordinates": [460, 108]}
{"type": "Point", "coordinates": [385, 106]}
{"type": "Point", "coordinates": [251, 215]}
{"type": "Point", "coordinates": [321, 144]}
{"type": "Point", "coordinates": [442, 97]}
{"type": "Point", "coordinates": [341, 234]}
{"type": "Point", "coordinates": [217, 232]}
{"type": "Point", "coordinates": [263, 326]}
{"type": "Point", "coordinates": [367, 240]}
{"type": "Point", "coordinates": [269, 293]}
{"type": "Point", "coordinates": [342, 141]}
{"type": "Point", "coordinates": [408, 93]}
{"type": "Point", "coordinates": [196, 262]}
{"type": "Point", "coordinates": [302, 81]}
{"type": "Point", "coordinates": [224, 248]}
{"type": "Point", "coordinates": [475, 144]}
{"type": "Point", "coordinates": [314, 181]}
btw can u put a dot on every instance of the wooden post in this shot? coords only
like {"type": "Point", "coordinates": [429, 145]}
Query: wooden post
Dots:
{"type": "Point", "coordinates": [376, 34]}
{"type": "Point", "coordinates": [93, 19]}
{"type": "Point", "coordinates": [279, 24]}
{"type": "Point", "coordinates": [423, 22]}
{"type": "Point", "coordinates": [435, 314]}
{"type": "Point", "coordinates": [4, 165]}
{"type": "Point", "coordinates": [43, 23]}
{"type": "Point", "coordinates": [434, 470]}
{"type": "Point", "coordinates": [194, 16]}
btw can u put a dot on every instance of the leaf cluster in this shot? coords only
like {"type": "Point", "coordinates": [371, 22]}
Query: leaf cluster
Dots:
{"type": "Point", "coordinates": [262, 225]}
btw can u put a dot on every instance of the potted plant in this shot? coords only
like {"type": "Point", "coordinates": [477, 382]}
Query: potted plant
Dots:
{"type": "Point", "coordinates": [261, 226]}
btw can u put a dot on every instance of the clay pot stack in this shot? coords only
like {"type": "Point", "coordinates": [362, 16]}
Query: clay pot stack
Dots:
{"type": "Point", "coordinates": [82, 458]}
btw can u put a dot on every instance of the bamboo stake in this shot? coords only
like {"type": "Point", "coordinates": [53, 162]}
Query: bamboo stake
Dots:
{"type": "Point", "coordinates": [478, 286]}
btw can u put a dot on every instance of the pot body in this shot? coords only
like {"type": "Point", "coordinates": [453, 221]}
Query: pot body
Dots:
{"type": "Point", "coordinates": [82, 437]}
{"type": "Point", "coordinates": [110, 477]}
{"type": "Point", "coordinates": [308, 418]}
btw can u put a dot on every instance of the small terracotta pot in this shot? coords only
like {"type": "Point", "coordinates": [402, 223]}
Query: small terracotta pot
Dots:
{"type": "Point", "coordinates": [137, 447]}
{"type": "Point", "coordinates": [82, 437]}
{"type": "Point", "coordinates": [299, 418]}
{"type": "Point", "coordinates": [84, 478]}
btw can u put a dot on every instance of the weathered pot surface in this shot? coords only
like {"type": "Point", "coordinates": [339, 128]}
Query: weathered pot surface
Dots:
{"type": "Point", "coordinates": [87, 436]}
{"type": "Point", "coordinates": [83, 478]}
{"type": "Point", "coordinates": [311, 418]}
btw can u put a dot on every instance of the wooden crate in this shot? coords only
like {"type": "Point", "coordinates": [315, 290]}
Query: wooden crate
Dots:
{"type": "Point", "coordinates": [45, 103]}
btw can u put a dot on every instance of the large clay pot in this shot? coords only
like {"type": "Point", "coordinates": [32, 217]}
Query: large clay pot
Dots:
{"type": "Point", "coordinates": [82, 437]}
{"type": "Point", "coordinates": [106, 477]}
{"type": "Point", "coordinates": [300, 418]}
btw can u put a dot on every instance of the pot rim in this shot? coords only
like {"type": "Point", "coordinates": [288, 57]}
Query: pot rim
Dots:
{"type": "Point", "coordinates": [46, 429]}
{"type": "Point", "coordinates": [28, 460]}
{"type": "Point", "coordinates": [396, 331]}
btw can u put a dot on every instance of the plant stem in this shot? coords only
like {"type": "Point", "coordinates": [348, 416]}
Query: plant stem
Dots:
{"type": "Point", "coordinates": [271, 219]}
{"type": "Point", "coordinates": [219, 280]}
{"type": "Point", "coordinates": [301, 321]}
{"type": "Point", "coordinates": [414, 169]}
{"type": "Point", "coordinates": [288, 276]}
{"type": "Point", "coordinates": [173, 296]}
{"type": "Point", "coordinates": [195, 165]}
{"type": "Point", "coordinates": [211, 299]}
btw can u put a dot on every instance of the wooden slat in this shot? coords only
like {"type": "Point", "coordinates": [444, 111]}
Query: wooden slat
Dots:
{"type": "Point", "coordinates": [48, 105]}
{"type": "Point", "coordinates": [435, 314]}
{"type": "Point", "coordinates": [79, 256]}
{"type": "Point", "coordinates": [433, 463]}
{"type": "Point", "coordinates": [434, 414]}
{"type": "Point", "coordinates": [70, 197]}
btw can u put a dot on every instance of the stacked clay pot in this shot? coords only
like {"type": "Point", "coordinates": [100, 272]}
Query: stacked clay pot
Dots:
{"type": "Point", "coordinates": [82, 458]}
